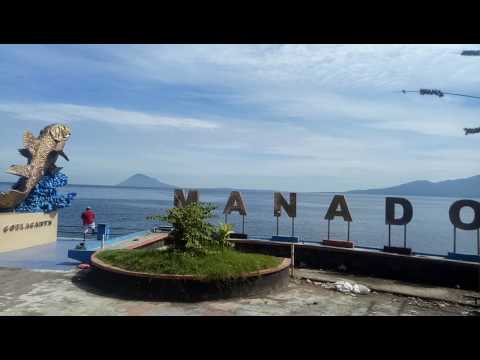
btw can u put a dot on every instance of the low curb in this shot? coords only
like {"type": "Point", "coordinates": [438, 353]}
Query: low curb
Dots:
{"type": "Point", "coordinates": [190, 288]}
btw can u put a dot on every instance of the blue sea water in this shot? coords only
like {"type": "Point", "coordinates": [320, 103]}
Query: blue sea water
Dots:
{"type": "Point", "coordinates": [126, 209]}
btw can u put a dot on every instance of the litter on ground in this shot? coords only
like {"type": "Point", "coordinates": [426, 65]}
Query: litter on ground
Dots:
{"type": "Point", "coordinates": [348, 288]}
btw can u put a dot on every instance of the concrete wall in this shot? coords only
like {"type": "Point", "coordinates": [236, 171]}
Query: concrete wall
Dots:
{"type": "Point", "coordinates": [23, 230]}
{"type": "Point", "coordinates": [417, 269]}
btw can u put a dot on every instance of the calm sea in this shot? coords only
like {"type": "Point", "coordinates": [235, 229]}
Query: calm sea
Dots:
{"type": "Point", "coordinates": [430, 231]}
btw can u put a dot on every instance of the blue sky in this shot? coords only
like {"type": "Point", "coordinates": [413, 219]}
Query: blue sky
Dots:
{"type": "Point", "coordinates": [284, 117]}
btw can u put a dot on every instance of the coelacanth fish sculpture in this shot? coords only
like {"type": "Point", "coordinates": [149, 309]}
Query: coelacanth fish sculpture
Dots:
{"type": "Point", "coordinates": [42, 153]}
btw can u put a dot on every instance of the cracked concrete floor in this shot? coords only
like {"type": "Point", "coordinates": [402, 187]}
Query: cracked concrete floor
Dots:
{"type": "Point", "coordinates": [27, 292]}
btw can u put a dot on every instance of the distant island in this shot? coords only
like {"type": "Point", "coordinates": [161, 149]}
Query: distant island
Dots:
{"type": "Point", "coordinates": [466, 187]}
{"type": "Point", "coordinates": [144, 181]}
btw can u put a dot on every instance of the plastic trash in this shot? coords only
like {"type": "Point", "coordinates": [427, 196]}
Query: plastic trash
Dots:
{"type": "Point", "coordinates": [348, 288]}
{"type": "Point", "coordinates": [360, 289]}
{"type": "Point", "coordinates": [344, 286]}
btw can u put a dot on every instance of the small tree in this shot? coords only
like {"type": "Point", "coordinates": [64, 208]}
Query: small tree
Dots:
{"type": "Point", "coordinates": [192, 231]}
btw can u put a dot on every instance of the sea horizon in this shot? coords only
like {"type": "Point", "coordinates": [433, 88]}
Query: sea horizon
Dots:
{"type": "Point", "coordinates": [126, 209]}
{"type": "Point", "coordinates": [179, 187]}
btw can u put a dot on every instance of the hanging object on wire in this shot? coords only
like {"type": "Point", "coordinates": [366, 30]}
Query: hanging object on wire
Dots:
{"type": "Point", "coordinates": [470, 53]}
{"type": "Point", "coordinates": [438, 93]}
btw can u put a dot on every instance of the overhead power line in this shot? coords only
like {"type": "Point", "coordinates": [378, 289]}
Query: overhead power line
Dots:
{"type": "Point", "coordinates": [438, 93]}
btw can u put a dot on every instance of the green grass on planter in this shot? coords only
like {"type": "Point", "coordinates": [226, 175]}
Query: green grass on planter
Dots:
{"type": "Point", "coordinates": [225, 264]}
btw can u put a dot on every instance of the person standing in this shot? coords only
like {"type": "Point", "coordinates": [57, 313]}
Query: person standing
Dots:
{"type": "Point", "coordinates": [88, 218]}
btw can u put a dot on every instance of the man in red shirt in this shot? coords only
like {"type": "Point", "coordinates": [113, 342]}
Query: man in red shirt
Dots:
{"type": "Point", "coordinates": [88, 218]}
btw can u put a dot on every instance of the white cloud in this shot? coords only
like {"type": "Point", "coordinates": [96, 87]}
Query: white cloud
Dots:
{"type": "Point", "coordinates": [428, 116]}
{"type": "Point", "coordinates": [323, 109]}
{"type": "Point", "coordinates": [58, 112]}
{"type": "Point", "coordinates": [325, 66]}
{"type": "Point", "coordinates": [344, 82]}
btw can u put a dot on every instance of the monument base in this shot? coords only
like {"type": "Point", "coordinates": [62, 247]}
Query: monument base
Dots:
{"type": "Point", "coordinates": [338, 243]}
{"type": "Point", "coordinates": [463, 257]}
{"type": "Point", "coordinates": [238, 236]}
{"type": "Point", "coordinates": [397, 250]}
{"type": "Point", "coordinates": [293, 239]}
{"type": "Point", "coordinates": [24, 230]}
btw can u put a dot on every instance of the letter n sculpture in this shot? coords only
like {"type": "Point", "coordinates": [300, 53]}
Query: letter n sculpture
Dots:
{"type": "Point", "coordinates": [279, 202]}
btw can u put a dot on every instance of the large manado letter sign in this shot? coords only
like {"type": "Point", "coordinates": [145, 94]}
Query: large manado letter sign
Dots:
{"type": "Point", "coordinates": [339, 208]}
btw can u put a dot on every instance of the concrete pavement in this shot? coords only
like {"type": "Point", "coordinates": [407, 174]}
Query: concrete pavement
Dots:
{"type": "Point", "coordinates": [31, 292]}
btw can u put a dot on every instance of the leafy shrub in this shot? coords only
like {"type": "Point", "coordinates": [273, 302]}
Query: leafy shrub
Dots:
{"type": "Point", "coordinates": [222, 234]}
{"type": "Point", "coordinates": [191, 229]}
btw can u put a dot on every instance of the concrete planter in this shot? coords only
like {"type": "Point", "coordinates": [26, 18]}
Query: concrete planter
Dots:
{"type": "Point", "coordinates": [188, 288]}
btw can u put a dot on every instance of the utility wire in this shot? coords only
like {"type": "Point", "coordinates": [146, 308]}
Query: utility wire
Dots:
{"type": "Point", "coordinates": [443, 92]}
{"type": "Point", "coordinates": [440, 93]}
{"type": "Point", "coordinates": [469, 96]}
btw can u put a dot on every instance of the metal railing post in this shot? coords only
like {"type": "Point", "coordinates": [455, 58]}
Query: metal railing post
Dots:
{"type": "Point", "coordinates": [292, 258]}
{"type": "Point", "coordinates": [293, 226]}
{"type": "Point", "coordinates": [478, 242]}
{"type": "Point", "coordinates": [454, 239]}
{"type": "Point", "coordinates": [389, 235]}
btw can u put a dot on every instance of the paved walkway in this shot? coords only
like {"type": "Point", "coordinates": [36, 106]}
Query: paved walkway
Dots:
{"type": "Point", "coordinates": [51, 256]}
{"type": "Point", "coordinates": [390, 286]}
{"type": "Point", "coordinates": [27, 292]}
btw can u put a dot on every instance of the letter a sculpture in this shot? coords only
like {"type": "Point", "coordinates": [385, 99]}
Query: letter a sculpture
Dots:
{"type": "Point", "coordinates": [41, 153]}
